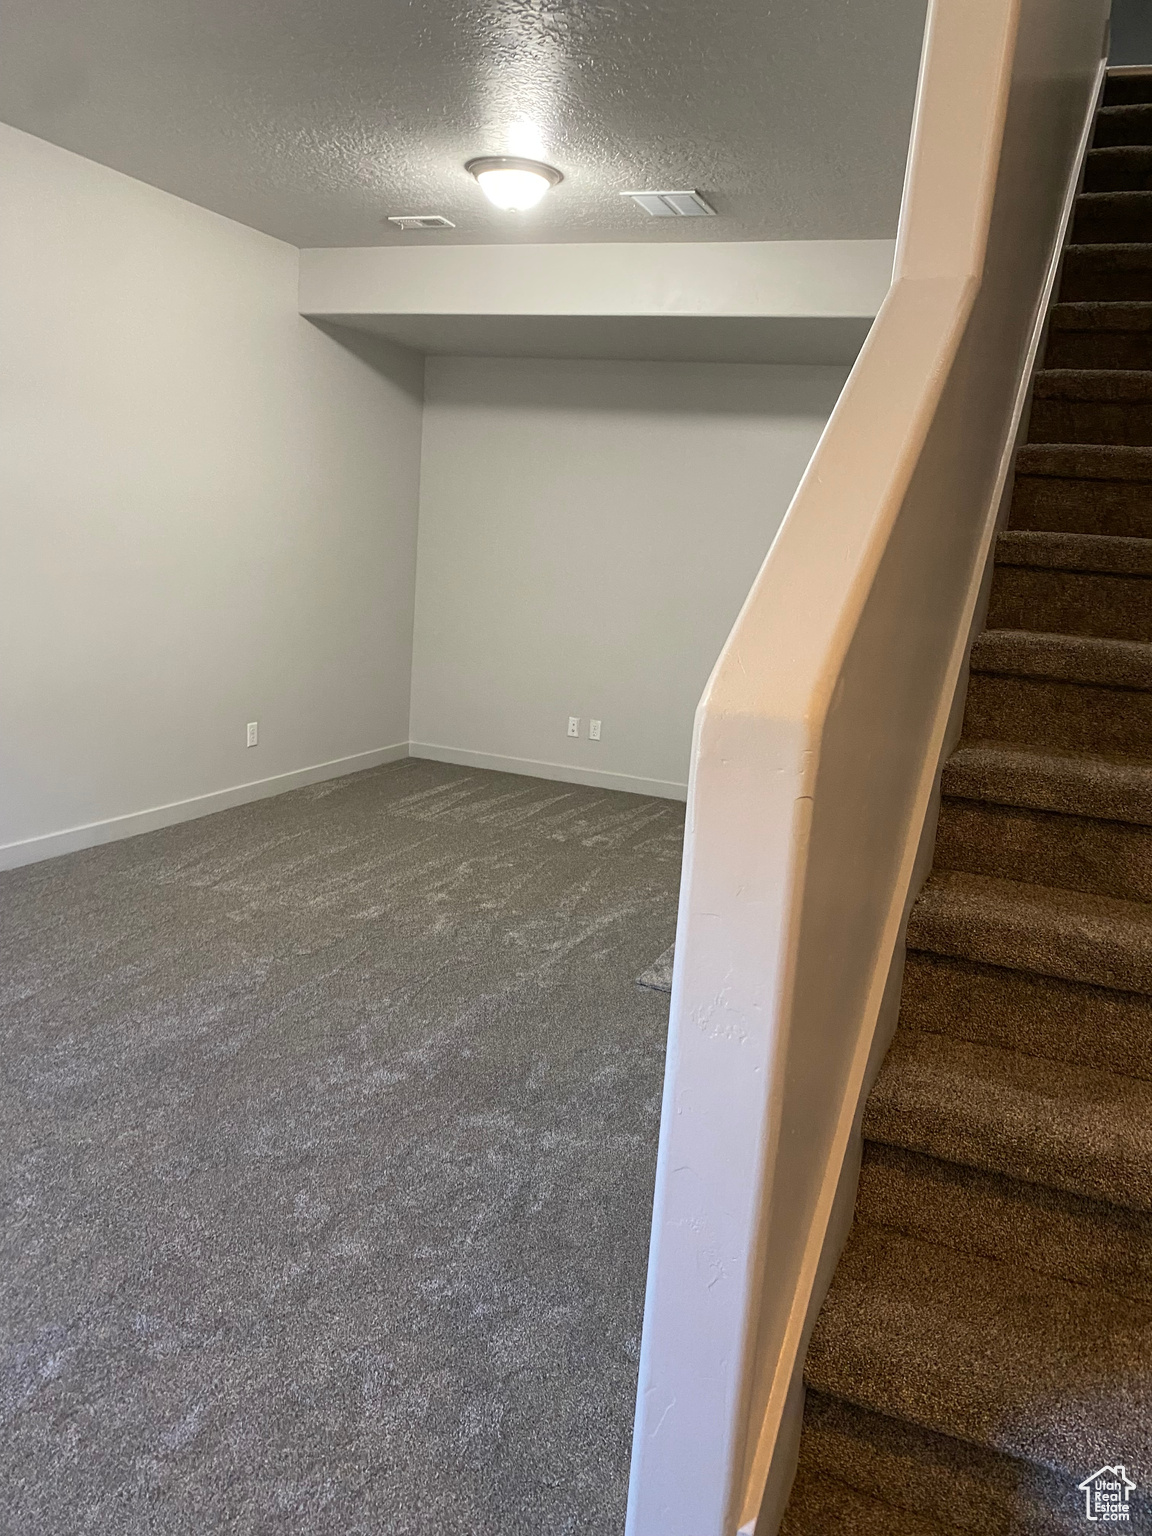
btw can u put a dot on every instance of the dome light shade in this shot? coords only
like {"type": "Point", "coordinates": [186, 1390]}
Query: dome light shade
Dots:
{"type": "Point", "coordinates": [512, 184]}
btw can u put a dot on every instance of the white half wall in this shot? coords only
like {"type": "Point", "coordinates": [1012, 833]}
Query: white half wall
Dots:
{"type": "Point", "coordinates": [207, 514]}
{"type": "Point", "coordinates": [588, 533]}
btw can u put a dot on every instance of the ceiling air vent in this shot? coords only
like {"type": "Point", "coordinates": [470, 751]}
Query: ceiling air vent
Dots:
{"type": "Point", "coordinates": [673, 205]}
{"type": "Point", "coordinates": [420, 221]}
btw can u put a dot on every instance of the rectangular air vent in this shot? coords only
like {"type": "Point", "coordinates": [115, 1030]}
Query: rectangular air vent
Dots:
{"type": "Point", "coordinates": [673, 205]}
{"type": "Point", "coordinates": [421, 221]}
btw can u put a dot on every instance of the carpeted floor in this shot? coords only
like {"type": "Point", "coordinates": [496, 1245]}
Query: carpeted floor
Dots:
{"type": "Point", "coordinates": [328, 1136]}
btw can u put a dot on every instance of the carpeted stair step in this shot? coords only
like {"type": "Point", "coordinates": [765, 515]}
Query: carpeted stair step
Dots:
{"type": "Point", "coordinates": [1119, 789]}
{"type": "Point", "coordinates": [1124, 168]}
{"type": "Point", "coordinates": [1099, 335]}
{"type": "Point", "coordinates": [1086, 603]}
{"type": "Point", "coordinates": [1080, 489]}
{"type": "Point", "coordinates": [1086, 461]}
{"type": "Point", "coordinates": [1017, 1010]}
{"type": "Point", "coordinates": [986, 1214]}
{"type": "Point", "coordinates": [821, 1503]}
{"type": "Point", "coordinates": [935, 1477]}
{"type": "Point", "coordinates": [1057, 551]}
{"type": "Point", "coordinates": [1078, 1129]}
{"type": "Point", "coordinates": [1078, 853]}
{"type": "Point", "coordinates": [1123, 87]}
{"type": "Point", "coordinates": [1101, 663]}
{"type": "Point", "coordinates": [1092, 405]}
{"type": "Point", "coordinates": [1115, 271]}
{"type": "Point", "coordinates": [1067, 693]}
{"type": "Point", "coordinates": [1005, 1358]}
{"type": "Point", "coordinates": [1103, 217]}
{"type": "Point", "coordinates": [1099, 941]}
{"type": "Point", "coordinates": [1130, 123]}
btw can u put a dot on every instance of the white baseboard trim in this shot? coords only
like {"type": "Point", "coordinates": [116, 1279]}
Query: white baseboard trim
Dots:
{"type": "Point", "coordinates": [596, 778]}
{"type": "Point", "coordinates": [51, 845]}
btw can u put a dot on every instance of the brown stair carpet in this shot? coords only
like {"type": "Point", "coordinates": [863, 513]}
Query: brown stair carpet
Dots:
{"type": "Point", "coordinates": [986, 1344]}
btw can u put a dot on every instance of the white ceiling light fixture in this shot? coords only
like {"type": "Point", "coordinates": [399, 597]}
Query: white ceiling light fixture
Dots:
{"type": "Point", "coordinates": [673, 205]}
{"type": "Point", "coordinates": [512, 184]}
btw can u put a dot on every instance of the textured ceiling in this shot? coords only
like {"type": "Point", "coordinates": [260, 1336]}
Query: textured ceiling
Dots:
{"type": "Point", "coordinates": [314, 119]}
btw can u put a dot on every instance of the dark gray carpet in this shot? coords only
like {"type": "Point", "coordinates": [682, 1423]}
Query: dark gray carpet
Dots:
{"type": "Point", "coordinates": [328, 1138]}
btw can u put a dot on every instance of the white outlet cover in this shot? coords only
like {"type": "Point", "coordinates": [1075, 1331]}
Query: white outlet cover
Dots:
{"type": "Point", "coordinates": [594, 730]}
{"type": "Point", "coordinates": [573, 725]}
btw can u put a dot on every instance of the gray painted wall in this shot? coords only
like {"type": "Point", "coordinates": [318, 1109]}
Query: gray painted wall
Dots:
{"type": "Point", "coordinates": [207, 510]}
{"type": "Point", "coordinates": [1131, 32]}
{"type": "Point", "coordinates": [588, 532]}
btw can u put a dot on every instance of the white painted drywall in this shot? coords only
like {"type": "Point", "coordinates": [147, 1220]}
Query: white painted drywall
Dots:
{"type": "Point", "coordinates": [588, 532]}
{"type": "Point", "coordinates": [756, 301]}
{"type": "Point", "coordinates": [746, 277]}
{"type": "Point", "coordinates": [207, 511]}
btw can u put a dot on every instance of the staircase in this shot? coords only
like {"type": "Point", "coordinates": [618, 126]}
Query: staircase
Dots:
{"type": "Point", "coordinates": [986, 1343]}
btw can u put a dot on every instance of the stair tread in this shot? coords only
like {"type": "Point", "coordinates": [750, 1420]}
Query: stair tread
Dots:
{"type": "Point", "coordinates": [1131, 195]}
{"type": "Point", "coordinates": [1073, 1128]}
{"type": "Point", "coordinates": [1100, 552]}
{"type": "Point", "coordinates": [1103, 941]}
{"type": "Point", "coordinates": [820, 1503]}
{"type": "Point", "coordinates": [1090, 659]}
{"type": "Point", "coordinates": [1005, 1358]}
{"type": "Point", "coordinates": [1085, 461]}
{"type": "Point", "coordinates": [1139, 252]}
{"type": "Point", "coordinates": [1094, 383]}
{"type": "Point", "coordinates": [1077, 784]}
{"type": "Point", "coordinates": [1142, 151]}
{"type": "Point", "coordinates": [1102, 314]}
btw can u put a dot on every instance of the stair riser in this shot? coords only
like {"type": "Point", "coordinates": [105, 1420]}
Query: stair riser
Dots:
{"type": "Point", "coordinates": [1104, 218]}
{"type": "Point", "coordinates": [1103, 282]}
{"type": "Point", "coordinates": [1124, 422]}
{"type": "Point", "coordinates": [1024, 1011]}
{"type": "Point", "coordinates": [1071, 603]}
{"type": "Point", "coordinates": [1098, 349]}
{"type": "Point", "coordinates": [1123, 90]}
{"type": "Point", "coordinates": [994, 1217]}
{"type": "Point", "coordinates": [1066, 716]}
{"type": "Point", "coordinates": [987, 1215]}
{"type": "Point", "coordinates": [1120, 507]}
{"type": "Point", "coordinates": [1119, 170]}
{"type": "Point", "coordinates": [1133, 127]}
{"type": "Point", "coordinates": [945, 1482]}
{"type": "Point", "coordinates": [1104, 858]}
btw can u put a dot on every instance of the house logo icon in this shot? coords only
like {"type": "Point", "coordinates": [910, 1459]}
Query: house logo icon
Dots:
{"type": "Point", "coordinates": [1106, 1494]}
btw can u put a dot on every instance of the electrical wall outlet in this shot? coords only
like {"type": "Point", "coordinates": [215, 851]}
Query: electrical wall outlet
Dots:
{"type": "Point", "coordinates": [253, 732]}
{"type": "Point", "coordinates": [593, 730]}
{"type": "Point", "coordinates": [573, 725]}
